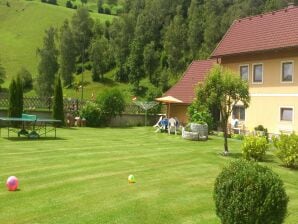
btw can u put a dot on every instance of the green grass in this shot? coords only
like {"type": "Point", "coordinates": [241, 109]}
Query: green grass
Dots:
{"type": "Point", "coordinates": [82, 178]}
{"type": "Point", "coordinates": [22, 27]}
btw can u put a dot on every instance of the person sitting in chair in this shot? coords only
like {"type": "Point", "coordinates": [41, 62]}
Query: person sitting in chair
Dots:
{"type": "Point", "coordinates": [161, 124]}
{"type": "Point", "coordinates": [234, 122]}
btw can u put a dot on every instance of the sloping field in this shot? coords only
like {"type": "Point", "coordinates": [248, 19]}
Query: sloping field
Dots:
{"type": "Point", "coordinates": [82, 178]}
{"type": "Point", "coordinates": [22, 27]}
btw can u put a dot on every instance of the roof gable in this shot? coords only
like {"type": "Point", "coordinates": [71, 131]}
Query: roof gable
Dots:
{"type": "Point", "coordinates": [184, 90]}
{"type": "Point", "coordinates": [274, 30]}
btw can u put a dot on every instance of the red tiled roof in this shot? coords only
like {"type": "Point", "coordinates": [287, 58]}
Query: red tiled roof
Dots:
{"type": "Point", "coordinates": [184, 90]}
{"type": "Point", "coordinates": [268, 31]}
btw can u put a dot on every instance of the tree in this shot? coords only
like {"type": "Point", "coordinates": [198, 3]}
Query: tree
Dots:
{"type": "Point", "coordinates": [135, 62]}
{"type": "Point", "coordinates": [53, 2]}
{"type": "Point", "coordinates": [82, 25]}
{"type": "Point", "coordinates": [2, 75]}
{"type": "Point", "coordinates": [67, 54]}
{"type": "Point", "coordinates": [151, 62]}
{"type": "Point", "coordinates": [12, 108]}
{"type": "Point", "coordinates": [48, 64]}
{"type": "Point", "coordinates": [112, 2]}
{"type": "Point", "coordinates": [58, 107]}
{"type": "Point", "coordinates": [271, 5]}
{"type": "Point", "coordinates": [84, 2]}
{"type": "Point", "coordinates": [122, 33]}
{"type": "Point", "coordinates": [100, 58]}
{"type": "Point", "coordinates": [69, 4]}
{"type": "Point", "coordinates": [15, 107]}
{"type": "Point", "coordinates": [195, 27]}
{"type": "Point", "coordinates": [19, 96]}
{"type": "Point", "coordinates": [213, 11]}
{"type": "Point", "coordinates": [26, 78]}
{"type": "Point", "coordinates": [175, 43]}
{"type": "Point", "coordinates": [100, 6]}
{"type": "Point", "coordinates": [111, 103]}
{"type": "Point", "coordinates": [223, 89]}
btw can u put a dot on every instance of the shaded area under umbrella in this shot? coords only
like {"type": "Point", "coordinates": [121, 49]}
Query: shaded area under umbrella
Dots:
{"type": "Point", "coordinates": [168, 100]}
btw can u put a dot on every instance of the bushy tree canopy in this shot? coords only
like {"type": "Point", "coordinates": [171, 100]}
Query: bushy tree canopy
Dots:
{"type": "Point", "coordinates": [48, 64]}
{"type": "Point", "coordinates": [223, 89]}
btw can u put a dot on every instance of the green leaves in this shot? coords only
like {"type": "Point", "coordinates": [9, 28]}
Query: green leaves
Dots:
{"type": "Point", "coordinates": [58, 106]}
{"type": "Point", "coordinates": [15, 108]}
{"type": "Point", "coordinates": [2, 74]}
{"type": "Point", "coordinates": [254, 148]}
{"type": "Point", "coordinates": [287, 149]}
{"type": "Point", "coordinates": [222, 90]}
{"type": "Point", "coordinates": [247, 193]}
{"type": "Point", "coordinates": [48, 64]}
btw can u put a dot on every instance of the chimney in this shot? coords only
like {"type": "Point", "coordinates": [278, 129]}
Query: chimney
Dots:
{"type": "Point", "coordinates": [290, 5]}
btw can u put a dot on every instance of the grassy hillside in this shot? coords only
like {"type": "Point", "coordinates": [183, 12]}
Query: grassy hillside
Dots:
{"type": "Point", "coordinates": [22, 27]}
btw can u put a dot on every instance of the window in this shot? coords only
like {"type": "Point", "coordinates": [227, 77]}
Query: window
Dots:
{"type": "Point", "coordinates": [258, 73]}
{"type": "Point", "coordinates": [239, 113]}
{"type": "Point", "coordinates": [286, 114]}
{"type": "Point", "coordinates": [287, 72]}
{"type": "Point", "coordinates": [244, 72]}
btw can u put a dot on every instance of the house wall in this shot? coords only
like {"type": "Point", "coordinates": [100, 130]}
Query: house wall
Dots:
{"type": "Point", "coordinates": [268, 97]}
{"type": "Point", "coordinates": [179, 111]}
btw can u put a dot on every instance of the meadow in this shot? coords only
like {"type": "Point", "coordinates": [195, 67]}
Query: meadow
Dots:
{"type": "Point", "coordinates": [22, 27]}
{"type": "Point", "coordinates": [81, 177]}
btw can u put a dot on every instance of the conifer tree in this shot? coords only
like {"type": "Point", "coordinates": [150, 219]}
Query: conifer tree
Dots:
{"type": "Point", "coordinates": [19, 96]}
{"type": "Point", "coordinates": [2, 75]}
{"type": "Point", "coordinates": [13, 104]}
{"type": "Point", "coordinates": [58, 107]}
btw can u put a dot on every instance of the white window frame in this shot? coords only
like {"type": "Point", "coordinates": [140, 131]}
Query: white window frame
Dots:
{"type": "Point", "coordinates": [281, 71]}
{"type": "Point", "coordinates": [293, 114]}
{"type": "Point", "coordinates": [253, 73]}
{"type": "Point", "coordinates": [247, 71]}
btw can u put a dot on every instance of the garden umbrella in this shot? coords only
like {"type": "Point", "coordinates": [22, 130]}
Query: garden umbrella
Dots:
{"type": "Point", "coordinates": [168, 100]}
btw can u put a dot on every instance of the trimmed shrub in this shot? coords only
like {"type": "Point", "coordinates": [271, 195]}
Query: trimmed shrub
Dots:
{"type": "Point", "coordinates": [254, 147]}
{"type": "Point", "coordinates": [287, 149]}
{"type": "Point", "coordinates": [261, 131]}
{"type": "Point", "coordinates": [92, 113]}
{"type": "Point", "coordinates": [248, 193]}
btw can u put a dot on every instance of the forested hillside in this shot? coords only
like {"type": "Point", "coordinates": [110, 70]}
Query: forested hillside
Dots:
{"type": "Point", "coordinates": [158, 39]}
{"type": "Point", "coordinates": [148, 45]}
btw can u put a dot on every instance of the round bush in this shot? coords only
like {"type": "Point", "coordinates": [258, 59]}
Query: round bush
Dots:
{"type": "Point", "coordinates": [248, 193]}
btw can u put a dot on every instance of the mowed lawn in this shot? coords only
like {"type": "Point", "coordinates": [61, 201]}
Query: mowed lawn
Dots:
{"type": "Point", "coordinates": [81, 177]}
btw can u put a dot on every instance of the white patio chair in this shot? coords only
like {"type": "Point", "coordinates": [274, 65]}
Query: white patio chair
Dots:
{"type": "Point", "coordinates": [172, 125]}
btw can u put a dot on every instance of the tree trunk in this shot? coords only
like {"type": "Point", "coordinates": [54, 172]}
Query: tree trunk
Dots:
{"type": "Point", "coordinates": [225, 129]}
